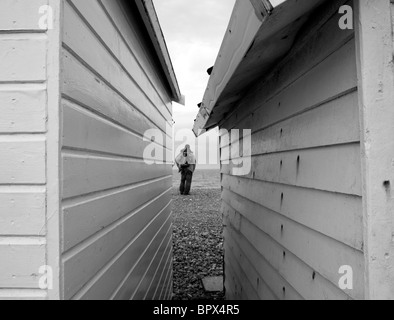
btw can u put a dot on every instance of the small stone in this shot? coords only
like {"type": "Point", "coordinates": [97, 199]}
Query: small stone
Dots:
{"type": "Point", "coordinates": [213, 284]}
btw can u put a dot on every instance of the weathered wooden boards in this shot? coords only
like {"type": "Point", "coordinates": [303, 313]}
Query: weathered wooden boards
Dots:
{"type": "Point", "coordinates": [75, 192]}
{"type": "Point", "coordinates": [296, 218]}
{"type": "Point", "coordinates": [229, 57]}
{"type": "Point", "coordinates": [116, 208]}
{"type": "Point", "coordinates": [18, 16]}
{"type": "Point", "coordinates": [23, 108]}
{"type": "Point", "coordinates": [249, 50]}
{"type": "Point", "coordinates": [23, 146]}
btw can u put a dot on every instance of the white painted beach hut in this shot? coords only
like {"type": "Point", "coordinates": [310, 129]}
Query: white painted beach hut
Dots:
{"type": "Point", "coordinates": [314, 218]}
{"type": "Point", "coordinates": [80, 83]}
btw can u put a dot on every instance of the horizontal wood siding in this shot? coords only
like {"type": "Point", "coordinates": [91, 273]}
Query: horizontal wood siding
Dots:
{"type": "Point", "coordinates": [116, 208]}
{"type": "Point", "coordinates": [23, 147]}
{"type": "Point", "coordinates": [296, 218]}
{"type": "Point", "coordinates": [22, 211]}
{"type": "Point", "coordinates": [23, 109]}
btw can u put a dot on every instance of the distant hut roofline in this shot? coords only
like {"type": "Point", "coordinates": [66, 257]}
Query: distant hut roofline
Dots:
{"type": "Point", "coordinates": [149, 16]}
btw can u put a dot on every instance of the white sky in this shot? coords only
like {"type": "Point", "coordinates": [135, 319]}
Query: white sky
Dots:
{"type": "Point", "coordinates": [276, 2]}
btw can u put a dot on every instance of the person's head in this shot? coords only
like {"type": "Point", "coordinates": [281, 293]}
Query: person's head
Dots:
{"type": "Point", "coordinates": [187, 150]}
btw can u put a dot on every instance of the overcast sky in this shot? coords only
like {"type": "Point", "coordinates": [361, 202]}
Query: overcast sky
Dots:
{"type": "Point", "coordinates": [194, 31]}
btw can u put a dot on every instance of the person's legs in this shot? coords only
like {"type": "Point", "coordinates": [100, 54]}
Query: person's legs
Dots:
{"type": "Point", "coordinates": [183, 182]}
{"type": "Point", "coordinates": [189, 179]}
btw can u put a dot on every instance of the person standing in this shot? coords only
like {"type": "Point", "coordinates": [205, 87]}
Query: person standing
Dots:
{"type": "Point", "coordinates": [186, 162]}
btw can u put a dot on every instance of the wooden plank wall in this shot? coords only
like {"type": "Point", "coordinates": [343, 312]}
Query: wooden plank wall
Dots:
{"type": "Point", "coordinates": [23, 147]}
{"type": "Point", "coordinates": [297, 217]}
{"type": "Point", "coordinates": [116, 209]}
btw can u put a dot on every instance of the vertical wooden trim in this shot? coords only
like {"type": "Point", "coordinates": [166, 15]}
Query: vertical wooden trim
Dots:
{"type": "Point", "coordinates": [376, 93]}
{"type": "Point", "coordinates": [53, 149]}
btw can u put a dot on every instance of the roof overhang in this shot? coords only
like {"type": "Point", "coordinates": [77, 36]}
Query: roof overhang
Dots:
{"type": "Point", "coordinates": [148, 14]}
{"type": "Point", "coordinates": [258, 37]}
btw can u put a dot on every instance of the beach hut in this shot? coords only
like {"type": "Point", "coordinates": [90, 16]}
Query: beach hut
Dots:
{"type": "Point", "coordinates": [313, 218]}
{"type": "Point", "coordinates": [82, 216]}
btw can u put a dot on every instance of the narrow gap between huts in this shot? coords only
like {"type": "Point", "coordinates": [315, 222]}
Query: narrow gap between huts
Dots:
{"type": "Point", "coordinates": [198, 238]}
